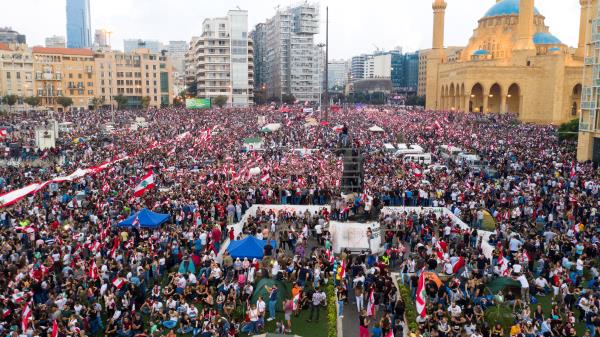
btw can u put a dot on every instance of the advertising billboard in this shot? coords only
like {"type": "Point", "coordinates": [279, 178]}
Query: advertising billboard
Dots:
{"type": "Point", "coordinates": [197, 103]}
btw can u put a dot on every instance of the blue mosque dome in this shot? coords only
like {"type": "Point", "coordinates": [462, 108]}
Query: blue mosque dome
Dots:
{"type": "Point", "coordinates": [481, 52]}
{"type": "Point", "coordinates": [505, 7]}
{"type": "Point", "coordinates": [545, 38]}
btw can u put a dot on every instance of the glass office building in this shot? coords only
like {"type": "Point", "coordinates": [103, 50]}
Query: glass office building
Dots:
{"type": "Point", "coordinates": [79, 33]}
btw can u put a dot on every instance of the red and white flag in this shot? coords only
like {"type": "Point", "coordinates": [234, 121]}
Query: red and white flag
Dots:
{"type": "Point", "coordinates": [390, 333]}
{"type": "Point", "coordinates": [54, 329]}
{"type": "Point", "coordinates": [25, 317]}
{"type": "Point", "coordinates": [146, 184]}
{"type": "Point", "coordinates": [371, 304]}
{"type": "Point", "coordinates": [118, 283]}
{"type": "Point", "coordinates": [458, 264]}
{"type": "Point", "coordinates": [265, 178]}
{"type": "Point", "coordinates": [503, 264]}
{"type": "Point", "coordinates": [296, 301]}
{"type": "Point", "coordinates": [94, 271]}
{"type": "Point", "coordinates": [421, 301]}
{"type": "Point", "coordinates": [18, 297]}
{"type": "Point", "coordinates": [3, 133]}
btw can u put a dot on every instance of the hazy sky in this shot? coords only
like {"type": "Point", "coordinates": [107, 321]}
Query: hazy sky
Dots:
{"type": "Point", "coordinates": [356, 26]}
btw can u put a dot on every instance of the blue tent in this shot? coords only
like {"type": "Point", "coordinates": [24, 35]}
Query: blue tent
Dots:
{"type": "Point", "coordinates": [250, 247]}
{"type": "Point", "coordinates": [147, 219]}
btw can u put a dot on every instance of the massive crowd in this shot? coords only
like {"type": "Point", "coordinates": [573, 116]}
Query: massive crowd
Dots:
{"type": "Point", "coordinates": [69, 269]}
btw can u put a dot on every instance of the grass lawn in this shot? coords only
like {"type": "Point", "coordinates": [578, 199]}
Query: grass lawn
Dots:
{"type": "Point", "coordinates": [301, 327]}
{"type": "Point", "coordinates": [506, 315]}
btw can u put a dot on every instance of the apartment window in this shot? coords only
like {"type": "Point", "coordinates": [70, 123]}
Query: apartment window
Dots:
{"type": "Point", "coordinates": [79, 76]}
{"type": "Point", "coordinates": [90, 84]}
{"type": "Point", "coordinates": [40, 92]}
{"type": "Point", "coordinates": [18, 75]}
{"type": "Point", "coordinates": [70, 75]}
{"type": "Point", "coordinates": [71, 92]}
{"type": "Point", "coordinates": [90, 92]}
{"type": "Point", "coordinates": [89, 76]}
{"type": "Point", "coordinates": [81, 92]}
{"type": "Point", "coordinates": [154, 66]}
{"type": "Point", "coordinates": [8, 76]}
{"type": "Point", "coordinates": [103, 91]}
{"type": "Point", "coordinates": [155, 99]}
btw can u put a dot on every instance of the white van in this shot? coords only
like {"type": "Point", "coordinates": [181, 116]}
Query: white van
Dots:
{"type": "Point", "coordinates": [389, 148]}
{"type": "Point", "coordinates": [473, 161]}
{"type": "Point", "coordinates": [413, 149]}
{"type": "Point", "coordinates": [448, 151]}
{"type": "Point", "coordinates": [421, 158]}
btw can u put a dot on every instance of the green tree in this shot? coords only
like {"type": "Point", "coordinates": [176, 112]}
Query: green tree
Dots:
{"type": "Point", "coordinates": [65, 102]}
{"type": "Point", "coordinates": [97, 101]}
{"type": "Point", "coordinates": [415, 100]}
{"type": "Point", "coordinates": [220, 101]}
{"type": "Point", "coordinates": [121, 101]}
{"type": "Point", "coordinates": [569, 130]}
{"type": "Point", "coordinates": [288, 99]}
{"type": "Point", "coordinates": [33, 101]}
{"type": "Point", "coordinates": [145, 102]}
{"type": "Point", "coordinates": [10, 100]}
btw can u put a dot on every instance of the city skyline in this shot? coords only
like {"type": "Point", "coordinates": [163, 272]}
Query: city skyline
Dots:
{"type": "Point", "coordinates": [404, 23]}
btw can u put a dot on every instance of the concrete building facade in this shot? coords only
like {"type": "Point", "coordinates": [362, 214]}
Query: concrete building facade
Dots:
{"type": "Point", "coordinates": [55, 41]}
{"type": "Point", "coordinates": [292, 61]}
{"type": "Point", "coordinates": [224, 59]}
{"type": "Point", "coordinates": [337, 74]}
{"type": "Point", "coordinates": [16, 70]}
{"type": "Point", "coordinates": [68, 72]}
{"type": "Point", "coordinates": [8, 35]}
{"type": "Point", "coordinates": [134, 75]}
{"type": "Point", "coordinates": [129, 45]}
{"type": "Point", "coordinates": [589, 124]}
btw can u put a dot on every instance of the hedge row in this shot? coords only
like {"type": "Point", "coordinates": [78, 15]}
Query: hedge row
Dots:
{"type": "Point", "coordinates": [331, 310]}
{"type": "Point", "coordinates": [410, 311]}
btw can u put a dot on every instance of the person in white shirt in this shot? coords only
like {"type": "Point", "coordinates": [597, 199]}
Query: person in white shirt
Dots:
{"type": "Point", "coordinates": [541, 285]}
{"type": "Point", "coordinates": [524, 288]}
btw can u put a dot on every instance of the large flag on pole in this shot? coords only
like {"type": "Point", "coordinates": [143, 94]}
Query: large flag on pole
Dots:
{"type": "Point", "coordinates": [421, 296]}
{"type": "Point", "coordinates": [146, 184]}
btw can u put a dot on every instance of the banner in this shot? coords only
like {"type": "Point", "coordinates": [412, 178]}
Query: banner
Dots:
{"type": "Point", "coordinates": [197, 103]}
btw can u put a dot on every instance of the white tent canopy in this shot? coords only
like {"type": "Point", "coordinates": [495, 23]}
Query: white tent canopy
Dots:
{"type": "Point", "coordinates": [375, 128]}
{"type": "Point", "coordinates": [272, 127]}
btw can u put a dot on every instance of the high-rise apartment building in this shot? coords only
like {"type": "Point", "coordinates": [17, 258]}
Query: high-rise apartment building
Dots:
{"type": "Point", "coordinates": [357, 67]}
{"type": "Point", "coordinates": [102, 39]}
{"type": "Point", "coordinates": [79, 32]}
{"type": "Point", "coordinates": [224, 59]}
{"type": "Point", "coordinates": [8, 35]}
{"type": "Point", "coordinates": [56, 41]}
{"type": "Point", "coordinates": [134, 75]}
{"type": "Point", "coordinates": [176, 51]}
{"type": "Point", "coordinates": [130, 45]}
{"type": "Point", "coordinates": [337, 74]}
{"type": "Point", "coordinates": [259, 38]}
{"type": "Point", "coordinates": [291, 60]}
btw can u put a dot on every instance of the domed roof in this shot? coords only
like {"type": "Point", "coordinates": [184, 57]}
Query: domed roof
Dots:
{"type": "Point", "coordinates": [481, 52]}
{"type": "Point", "coordinates": [545, 38]}
{"type": "Point", "coordinates": [506, 7]}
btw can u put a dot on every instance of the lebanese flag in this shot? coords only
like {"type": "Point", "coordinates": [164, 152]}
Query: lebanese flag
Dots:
{"type": "Point", "coordinates": [458, 264]}
{"type": "Point", "coordinates": [18, 297]}
{"type": "Point", "coordinates": [441, 248]}
{"type": "Point", "coordinates": [95, 246]}
{"type": "Point", "coordinates": [146, 184]}
{"type": "Point", "coordinates": [573, 172]}
{"type": "Point", "coordinates": [25, 317]}
{"type": "Point", "coordinates": [416, 170]}
{"type": "Point", "coordinates": [421, 297]}
{"type": "Point", "coordinates": [265, 178]}
{"type": "Point", "coordinates": [118, 283]}
{"type": "Point", "coordinates": [329, 256]}
{"type": "Point", "coordinates": [3, 133]}
{"type": "Point", "coordinates": [55, 329]}
{"type": "Point", "coordinates": [389, 334]}
{"type": "Point", "coordinates": [371, 305]}
{"type": "Point", "coordinates": [503, 264]}
{"type": "Point", "coordinates": [105, 188]}
{"type": "Point", "coordinates": [94, 271]}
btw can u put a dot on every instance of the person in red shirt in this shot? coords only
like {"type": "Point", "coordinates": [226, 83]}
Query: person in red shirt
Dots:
{"type": "Point", "coordinates": [216, 238]}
